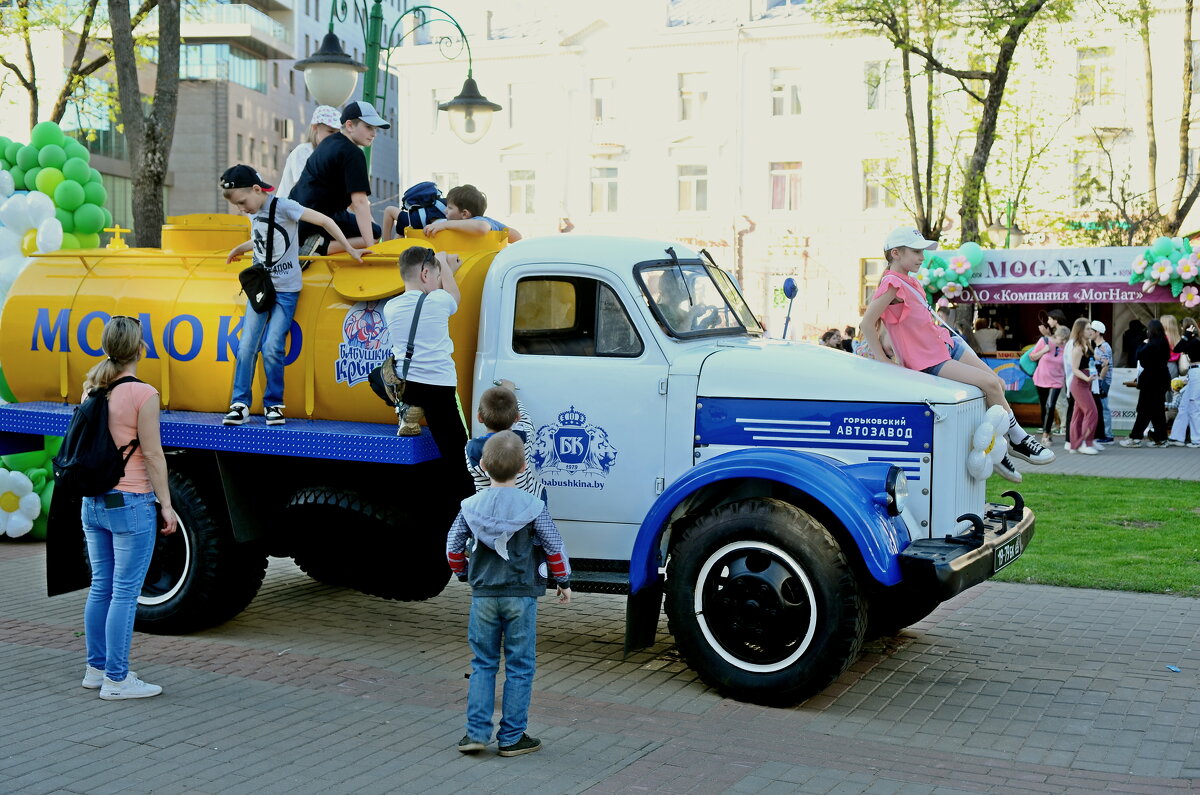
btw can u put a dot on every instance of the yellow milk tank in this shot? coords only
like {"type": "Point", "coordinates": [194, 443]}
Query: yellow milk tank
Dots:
{"type": "Point", "coordinates": [190, 306]}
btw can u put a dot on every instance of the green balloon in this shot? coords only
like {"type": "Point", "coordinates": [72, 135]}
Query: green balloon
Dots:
{"type": "Point", "coordinates": [27, 158]}
{"type": "Point", "coordinates": [88, 240]}
{"type": "Point", "coordinates": [69, 241]}
{"type": "Point", "coordinates": [108, 219]}
{"type": "Point", "coordinates": [77, 151]}
{"type": "Point", "coordinates": [47, 180]}
{"type": "Point", "coordinates": [11, 151]}
{"type": "Point", "coordinates": [52, 156]}
{"type": "Point", "coordinates": [96, 177]}
{"type": "Point", "coordinates": [4, 142]}
{"type": "Point", "coordinates": [94, 193]}
{"type": "Point", "coordinates": [89, 220]}
{"type": "Point", "coordinates": [18, 175]}
{"type": "Point", "coordinates": [1163, 246]}
{"type": "Point", "coordinates": [19, 462]}
{"type": "Point", "coordinates": [46, 134]}
{"type": "Point", "coordinates": [5, 392]}
{"type": "Point", "coordinates": [4, 165]}
{"type": "Point", "coordinates": [77, 170]}
{"type": "Point", "coordinates": [31, 178]}
{"type": "Point", "coordinates": [53, 445]}
{"type": "Point", "coordinates": [66, 218]}
{"type": "Point", "coordinates": [69, 196]}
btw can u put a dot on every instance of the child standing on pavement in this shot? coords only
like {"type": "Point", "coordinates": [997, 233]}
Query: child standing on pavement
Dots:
{"type": "Point", "coordinates": [922, 343]}
{"type": "Point", "coordinates": [505, 527]}
{"type": "Point", "coordinates": [266, 332]}
{"type": "Point", "coordinates": [501, 410]}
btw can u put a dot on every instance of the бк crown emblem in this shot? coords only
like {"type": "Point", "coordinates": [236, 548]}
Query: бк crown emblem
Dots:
{"type": "Point", "coordinates": [572, 416]}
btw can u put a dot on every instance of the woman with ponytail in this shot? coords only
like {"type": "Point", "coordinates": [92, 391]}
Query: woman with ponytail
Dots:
{"type": "Point", "coordinates": [119, 526]}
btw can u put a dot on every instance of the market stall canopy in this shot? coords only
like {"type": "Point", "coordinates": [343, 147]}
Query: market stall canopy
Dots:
{"type": "Point", "coordinates": [1058, 275]}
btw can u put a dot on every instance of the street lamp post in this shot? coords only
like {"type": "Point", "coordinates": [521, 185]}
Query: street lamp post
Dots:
{"type": "Point", "coordinates": [331, 74]}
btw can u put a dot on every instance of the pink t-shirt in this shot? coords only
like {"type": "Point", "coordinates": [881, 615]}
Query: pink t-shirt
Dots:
{"type": "Point", "coordinates": [124, 403]}
{"type": "Point", "coordinates": [1049, 373]}
{"type": "Point", "coordinates": [916, 335]}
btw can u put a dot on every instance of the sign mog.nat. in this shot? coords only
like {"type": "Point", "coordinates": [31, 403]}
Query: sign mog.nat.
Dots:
{"type": "Point", "coordinates": [1058, 275]}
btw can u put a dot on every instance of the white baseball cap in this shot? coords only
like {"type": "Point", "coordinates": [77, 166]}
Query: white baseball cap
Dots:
{"type": "Point", "coordinates": [327, 115]}
{"type": "Point", "coordinates": [907, 236]}
{"type": "Point", "coordinates": [1098, 325]}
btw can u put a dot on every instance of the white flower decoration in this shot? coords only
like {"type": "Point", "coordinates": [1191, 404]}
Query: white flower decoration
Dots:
{"type": "Point", "coordinates": [1139, 264]}
{"type": "Point", "coordinates": [923, 277]}
{"type": "Point", "coordinates": [1161, 272]}
{"type": "Point", "coordinates": [988, 444]}
{"type": "Point", "coordinates": [19, 506]}
{"type": "Point", "coordinates": [1188, 268]}
{"type": "Point", "coordinates": [952, 290]}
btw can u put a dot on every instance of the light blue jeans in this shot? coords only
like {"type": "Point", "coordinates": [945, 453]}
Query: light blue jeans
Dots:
{"type": "Point", "coordinates": [120, 543]}
{"type": "Point", "coordinates": [266, 332]}
{"type": "Point", "coordinates": [511, 621]}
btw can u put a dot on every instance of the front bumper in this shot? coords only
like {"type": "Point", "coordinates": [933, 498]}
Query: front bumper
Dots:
{"type": "Point", "coordinates": [945, 567]}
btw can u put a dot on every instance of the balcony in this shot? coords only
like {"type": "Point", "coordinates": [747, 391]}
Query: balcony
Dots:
{"type": "Point", "coordinates": [241, 24]}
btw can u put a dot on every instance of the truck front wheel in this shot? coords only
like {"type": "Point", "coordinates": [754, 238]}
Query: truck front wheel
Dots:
{"type": "Point", "coordinates": [762, 602]}
{"type": "Point", "coordinates": [200, 576]}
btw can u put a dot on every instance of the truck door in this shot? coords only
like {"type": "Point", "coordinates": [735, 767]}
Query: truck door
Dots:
{"type": "Point", "coordinates": [593, 379]}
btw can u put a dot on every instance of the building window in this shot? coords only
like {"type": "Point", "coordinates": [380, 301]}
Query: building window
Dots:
{"type": "Point", "coordinates": [307, 46]}
{"type": "Point", "coordinates": [604, 190]}
{"type": "Point", "coordinates": [602, 98]}
{"type": "Point", "coordinates": [875, 195]}
{"type": "Point", "coordinates": [275, 158]}
{"type": "Point", "coordinates": [241, 147]}
{"type": "Point", "coordinates": [275, 73]}
{"type": "Point", "coordinates": [1093, 76]}
{"type": "Point", "coordinates": [876, 79]}
{"type": "Point", "coordinates": [869, 272]}
{"type": "Point", "coordinates": [308, 8]}
{"type": "Point", "coordinates": [238, 111]}
{"type": "Point", "coordinates": [292, 81]}
{"type": "Point", "coordinates": [1088, 177]}
{"type": "Point", "coordinates": [785, 185]}
{"type": "Point", "coordinates": [222, 62]}
{"type": "Point", "coordinates": [521, 185]}
{"type": "Point", "coordinates": [693, 188]}
{"type": "Point", "coordinates": [446, 180]}
{"type": "Point", "coordinates": [251, 150]}
{"type": "Point", "coordinates": [693, 95]}
{"type": "Point", "coordinates": [785, 92]}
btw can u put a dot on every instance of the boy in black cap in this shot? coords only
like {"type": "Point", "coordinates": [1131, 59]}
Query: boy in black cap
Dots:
{"type": "Point", "coordinates": [267, 331]}
{"type": "Point", "coordinates": [335, 182]}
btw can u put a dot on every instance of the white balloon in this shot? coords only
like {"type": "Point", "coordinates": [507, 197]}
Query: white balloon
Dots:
{"type": "Point", "coordinates": [39, 207]}
{"type": "Point", "coordinates": [979, 465]}
{"type": "Point", "coordinates": [983, 436]}
{"type": "Point", "coordinates": [1000, 450]}
{"type": "Point", "coordinates": [10, 243]}
{"type": "Point", "coordinates": [14, 216]}
{"type": "Point", "coordinates": [998, 417]}
{"type": "Point", "coordinates": [6, 185]}
{"type": "Point", "coordinates": [49, 234]}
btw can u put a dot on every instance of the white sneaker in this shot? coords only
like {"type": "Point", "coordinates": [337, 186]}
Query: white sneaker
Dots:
{"type": "Point", "coordinates": [132, 687]}
{"type": "Point", "coordinates": [1086, 450]}
{"type": "Point", "coordinates": [238, 414]}
{"type": "Point", "coordinates": [94, 677]}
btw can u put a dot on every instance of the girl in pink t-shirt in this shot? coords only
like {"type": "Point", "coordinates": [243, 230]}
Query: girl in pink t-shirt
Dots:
{"type": "Point", "coordinates": [922, 343]}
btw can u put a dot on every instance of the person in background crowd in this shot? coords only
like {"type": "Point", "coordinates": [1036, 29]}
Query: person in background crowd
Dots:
{"type": "Point", "coordinates": [986, 336]}
{"type": "Point", "coordinates": [832, 339]}
{"type": "Point", "coordinates": [1104, 367]}
{"type": "Point", "coordinates": [1131, 340]}
{"type": "Point", "coordinates": [1152, 384]}
{"type": "Point", "coordinates": [1065, 415]}
{"type": "Point", "coordinates": [1049, 377]}
{"type": "Point", "coordinates": [1083, 420]}
{"type": "Point", "coordinates": [325, 122]}
{"type": "Point", "coordinates": [1188, 418]}
{"type": "Point", "coordinates": [848, 335]}
{"type": "Point", "coordinates": [1056, 319]}
{"type": "Point", "coordinates": [1171, 330]}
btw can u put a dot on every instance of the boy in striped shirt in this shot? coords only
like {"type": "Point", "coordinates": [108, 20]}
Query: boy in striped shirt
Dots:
{"type": "Point", "coordinates": [501, 410]}
{"type": "Point", "coordinates": [512, 541]}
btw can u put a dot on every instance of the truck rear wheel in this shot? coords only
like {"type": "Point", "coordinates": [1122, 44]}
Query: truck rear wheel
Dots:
{"type": "Point", "coordinates": [200, 576]}
{"type": "Point", "coordinates": [380, 549]}
{"type": "Point", "coordinates": [762, 602]}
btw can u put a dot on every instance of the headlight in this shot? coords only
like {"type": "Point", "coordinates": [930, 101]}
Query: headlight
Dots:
{"type": "Point", "coordinates": [897, 491]}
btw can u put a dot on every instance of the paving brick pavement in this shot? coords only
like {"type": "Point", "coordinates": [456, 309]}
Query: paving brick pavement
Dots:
{"type": "Point", "coordinates": [1008, 688]}
{"type": "Point", "coordinates": [1171, 463]}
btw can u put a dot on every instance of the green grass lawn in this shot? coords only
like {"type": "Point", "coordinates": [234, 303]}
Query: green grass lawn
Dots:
{"type": "Point", "coordinates": [1114, 533]}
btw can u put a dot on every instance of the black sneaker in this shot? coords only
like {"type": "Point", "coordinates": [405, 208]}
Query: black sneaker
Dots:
{"type": "Point", "coordinates": [1029, 450]}
{"type": "Point", "coordinates": [274, 415]}
{"type": "Point", "coordinates": [311, 247]}
{"type": "Point", "coordinates": [525, 745]}
{"type": "Point", "coordinates": [468, 746]}
{"type": "Point", "coordinates": [1006, 470]}
{"type": "Point", "coordinates": [238, 414]}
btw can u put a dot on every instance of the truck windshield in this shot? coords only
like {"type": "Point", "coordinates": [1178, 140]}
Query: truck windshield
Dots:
{"type": "Point", "coordinates": [694, 299]}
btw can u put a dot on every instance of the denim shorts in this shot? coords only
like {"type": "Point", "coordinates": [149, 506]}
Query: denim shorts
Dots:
{"type": "Point", "coordinates": [956, 349]}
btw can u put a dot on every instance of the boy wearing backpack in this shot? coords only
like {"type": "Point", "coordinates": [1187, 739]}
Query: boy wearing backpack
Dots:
{"type": "Point", "coordinates": [465, 208]}
{"type": "Point", "coordinates": [274, 236]}
{"type": "Point", "coordinates": [420, 205]}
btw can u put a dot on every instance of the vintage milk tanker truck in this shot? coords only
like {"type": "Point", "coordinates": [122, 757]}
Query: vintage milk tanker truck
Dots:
{"type": "Point", "coordinates": [785, 499]}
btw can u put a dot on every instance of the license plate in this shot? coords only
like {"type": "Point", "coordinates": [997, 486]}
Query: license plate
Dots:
{"type": "Point", "coordinates": [1007, 552]}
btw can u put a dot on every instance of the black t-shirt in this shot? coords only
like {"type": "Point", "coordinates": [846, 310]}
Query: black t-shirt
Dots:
{"type": "Point", "coordinates": [334, 170]}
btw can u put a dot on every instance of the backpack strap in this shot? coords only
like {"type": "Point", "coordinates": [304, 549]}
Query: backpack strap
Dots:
{"type": "Point", "coordinates": [271, 232]}
{"type": "Point", "coordinates": [133, 444]}
{"type": "Point", "coordinates": [412, 336]}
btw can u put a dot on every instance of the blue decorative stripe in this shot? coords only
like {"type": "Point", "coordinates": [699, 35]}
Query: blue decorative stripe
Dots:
{"type": "Point", "coordinates": [884, 427]}
{"type": "Point", "coordinates": [342, 441]}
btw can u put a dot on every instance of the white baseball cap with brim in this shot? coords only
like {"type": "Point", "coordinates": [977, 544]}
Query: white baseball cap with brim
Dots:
{"type": "Point", "coordinates": [327, 115]}
{"type": "Point", "coordinates": [365, 112]}
{"type": "Point", "coordinates": [909, 237]}
{"type": "Point", "coordinates": [1098, 325]}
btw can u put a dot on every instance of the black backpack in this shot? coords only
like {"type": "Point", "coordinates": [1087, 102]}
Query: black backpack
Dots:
{"type": "Point", "coordinates": [89, 462]}
{"type": "Point", "coordinates": [422, 204]}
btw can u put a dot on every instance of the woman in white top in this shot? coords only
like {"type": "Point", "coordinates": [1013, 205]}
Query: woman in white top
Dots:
{"type": "Point", "coordinates": [325, 122]}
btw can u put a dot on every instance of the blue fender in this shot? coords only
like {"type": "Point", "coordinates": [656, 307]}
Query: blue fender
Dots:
{"type": "Point", "coordinates": [846, 490]}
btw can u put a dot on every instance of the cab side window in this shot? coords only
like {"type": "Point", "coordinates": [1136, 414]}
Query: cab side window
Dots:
{"type": "Point", "coordinates": [572, 316]}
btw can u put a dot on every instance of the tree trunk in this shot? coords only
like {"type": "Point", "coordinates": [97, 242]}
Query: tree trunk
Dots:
{"type": "Point", "coordinates": [149, 138]}
{"type": "Point", "coordinates": [1151, 139]}
{"type": "Point", "coordinates": [1180, 205]}
{"type": "Point", "coordinates": [920, 216]}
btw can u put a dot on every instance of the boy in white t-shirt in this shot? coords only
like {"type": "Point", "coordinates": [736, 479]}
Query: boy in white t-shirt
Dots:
{"type": "Point", "coordinates": [432, 380]}
{"type": "Point", "coordinates": [266, 332]}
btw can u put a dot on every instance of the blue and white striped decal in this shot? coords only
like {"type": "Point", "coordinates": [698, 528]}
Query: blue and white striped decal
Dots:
{"type": "Point", "coordinates": [813, 424]}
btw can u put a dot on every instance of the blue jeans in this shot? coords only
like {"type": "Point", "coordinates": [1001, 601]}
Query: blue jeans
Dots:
{"type": "Point", "coordinates": [511, 620]}
{"type": "Point", "coordinates": [120, 543]}
{"type": "Point", "coordinates": [266, 332]}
